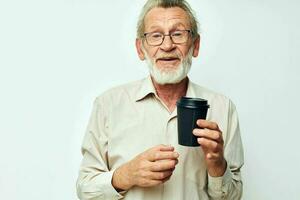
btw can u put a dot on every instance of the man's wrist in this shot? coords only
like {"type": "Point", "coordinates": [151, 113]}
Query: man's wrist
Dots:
{"type": "Point", "coordinates": [217, 170]}
{"type": "Point", "coordinates": [119, 182]}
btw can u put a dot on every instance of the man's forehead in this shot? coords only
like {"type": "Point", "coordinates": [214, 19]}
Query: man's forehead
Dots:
{"type": "Point", "coordinates": [161, 16]}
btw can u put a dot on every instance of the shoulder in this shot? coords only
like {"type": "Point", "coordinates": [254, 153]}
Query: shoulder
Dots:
{"type": "Point", "coordinates": [209, 94]}
{"type": "Point", "coordinates": [119, 92]}
{"type": "Point", "coordinates": [221, 108]}
{"type": "Point", "coordinates": [217, 101]}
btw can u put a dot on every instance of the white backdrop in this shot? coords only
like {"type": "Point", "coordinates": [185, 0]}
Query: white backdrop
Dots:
{"type": "Point", "coordinates": [57, 56]}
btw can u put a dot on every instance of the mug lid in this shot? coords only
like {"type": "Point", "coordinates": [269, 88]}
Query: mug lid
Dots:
{"type": "Point", "coordinates": [191, 102]}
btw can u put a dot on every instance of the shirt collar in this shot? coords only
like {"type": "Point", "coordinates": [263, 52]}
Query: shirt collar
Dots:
{"type": "Point", "coordinates": [190, 89]}
{"type": "Point", "coordinates": [147, 88]}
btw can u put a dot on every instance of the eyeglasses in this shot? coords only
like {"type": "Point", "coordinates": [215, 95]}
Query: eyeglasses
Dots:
{"type": "Point", "coordinates": [177, 37]}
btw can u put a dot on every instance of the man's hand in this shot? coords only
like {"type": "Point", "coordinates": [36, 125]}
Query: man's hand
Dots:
{"type": "Point", "coordinates": [150, 168]}
{"type": "Point", "coordinates": [211, 141]}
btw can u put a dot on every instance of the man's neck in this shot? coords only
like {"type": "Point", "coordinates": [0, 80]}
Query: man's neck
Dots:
{"type": "Point", "coordinates": [170, 93]}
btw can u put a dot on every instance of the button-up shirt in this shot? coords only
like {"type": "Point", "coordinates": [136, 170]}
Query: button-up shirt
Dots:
{"type": "Point", "coordinates": [129, 119]}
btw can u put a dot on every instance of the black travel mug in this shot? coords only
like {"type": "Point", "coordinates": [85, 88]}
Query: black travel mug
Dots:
{"type": "Point", "coordinates": [189, 110]}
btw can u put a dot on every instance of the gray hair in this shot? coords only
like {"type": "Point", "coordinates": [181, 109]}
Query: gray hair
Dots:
{"type": "Point", "coordinates": [167, 4]}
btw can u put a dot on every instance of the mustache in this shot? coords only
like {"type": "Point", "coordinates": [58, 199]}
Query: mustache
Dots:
{"type": "Point", "coordinates": [168, 56]}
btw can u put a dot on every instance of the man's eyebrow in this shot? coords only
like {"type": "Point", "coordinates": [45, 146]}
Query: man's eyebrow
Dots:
{"type": "Point", "coordinates": [155, 27]}
{"type": "Point", "coordinates": [177, 24]}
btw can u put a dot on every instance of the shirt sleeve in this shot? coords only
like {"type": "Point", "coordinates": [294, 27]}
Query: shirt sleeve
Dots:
{"type": "Point", "coordinates": [230, 185]}
{"type": "Point", "coordinates": [94, 180]}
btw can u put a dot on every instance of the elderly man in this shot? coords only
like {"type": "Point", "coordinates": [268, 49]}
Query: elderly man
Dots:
{"type": "Point", "coordinates": [131, 148]}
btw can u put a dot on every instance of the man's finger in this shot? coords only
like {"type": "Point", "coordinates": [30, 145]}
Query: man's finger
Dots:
{"type": "Point", "coordinates": [161, 175]}
{"type": "Point", "coordinates": [163, 165]}
{"type": "Point", "coordinates": [162, 155]}
{"type": "Point", "coordinates": [208, 124]}
{"type": "Point", "coordinates": [210, 145]}
{"type": "Point", "coordinates": [163, 147]}
{"type": "Point", "coordinates": [213, 156]}
{"type": "Point", "coordinates": [209, 134]}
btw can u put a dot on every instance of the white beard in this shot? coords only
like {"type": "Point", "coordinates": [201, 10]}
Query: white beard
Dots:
{"type": "Point", "coordinates": [163, 77]}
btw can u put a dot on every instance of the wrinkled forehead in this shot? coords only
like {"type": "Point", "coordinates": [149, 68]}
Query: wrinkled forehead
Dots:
{"type": "Point", "coordinates": [166, 18]}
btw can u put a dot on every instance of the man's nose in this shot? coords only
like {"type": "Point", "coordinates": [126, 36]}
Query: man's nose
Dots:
{"type": "Point", "coordinates": [167, 44]}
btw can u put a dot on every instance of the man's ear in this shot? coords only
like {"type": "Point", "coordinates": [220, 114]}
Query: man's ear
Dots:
{"type": "Point", "coordinates": [196, 46]}
{"type": "Point", "coordinates": [138, 45]}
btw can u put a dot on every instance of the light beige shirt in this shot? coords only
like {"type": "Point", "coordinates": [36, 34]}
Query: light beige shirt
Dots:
{"type": "Point", "coordinates": [129, 119]}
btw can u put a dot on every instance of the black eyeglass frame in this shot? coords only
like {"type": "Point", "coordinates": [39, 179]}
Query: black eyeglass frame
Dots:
{"type": "Point", "coordinates": [164, 35]}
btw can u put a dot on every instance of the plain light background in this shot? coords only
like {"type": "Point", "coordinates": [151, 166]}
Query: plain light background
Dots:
{"type": "Point", "coordinates": [57, 56]}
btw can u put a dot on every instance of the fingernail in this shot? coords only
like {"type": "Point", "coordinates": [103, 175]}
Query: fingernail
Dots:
{"type": "Point", "coordinates": [175, 154]}
{"type": "Point", "coordinates": [194, 132]}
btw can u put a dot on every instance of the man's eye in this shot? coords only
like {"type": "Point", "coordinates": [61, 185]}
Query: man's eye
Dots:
{"type": "Point", "coordinates": [177, 34]}
{"type": "Point", "coordinates": [156, 35]}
